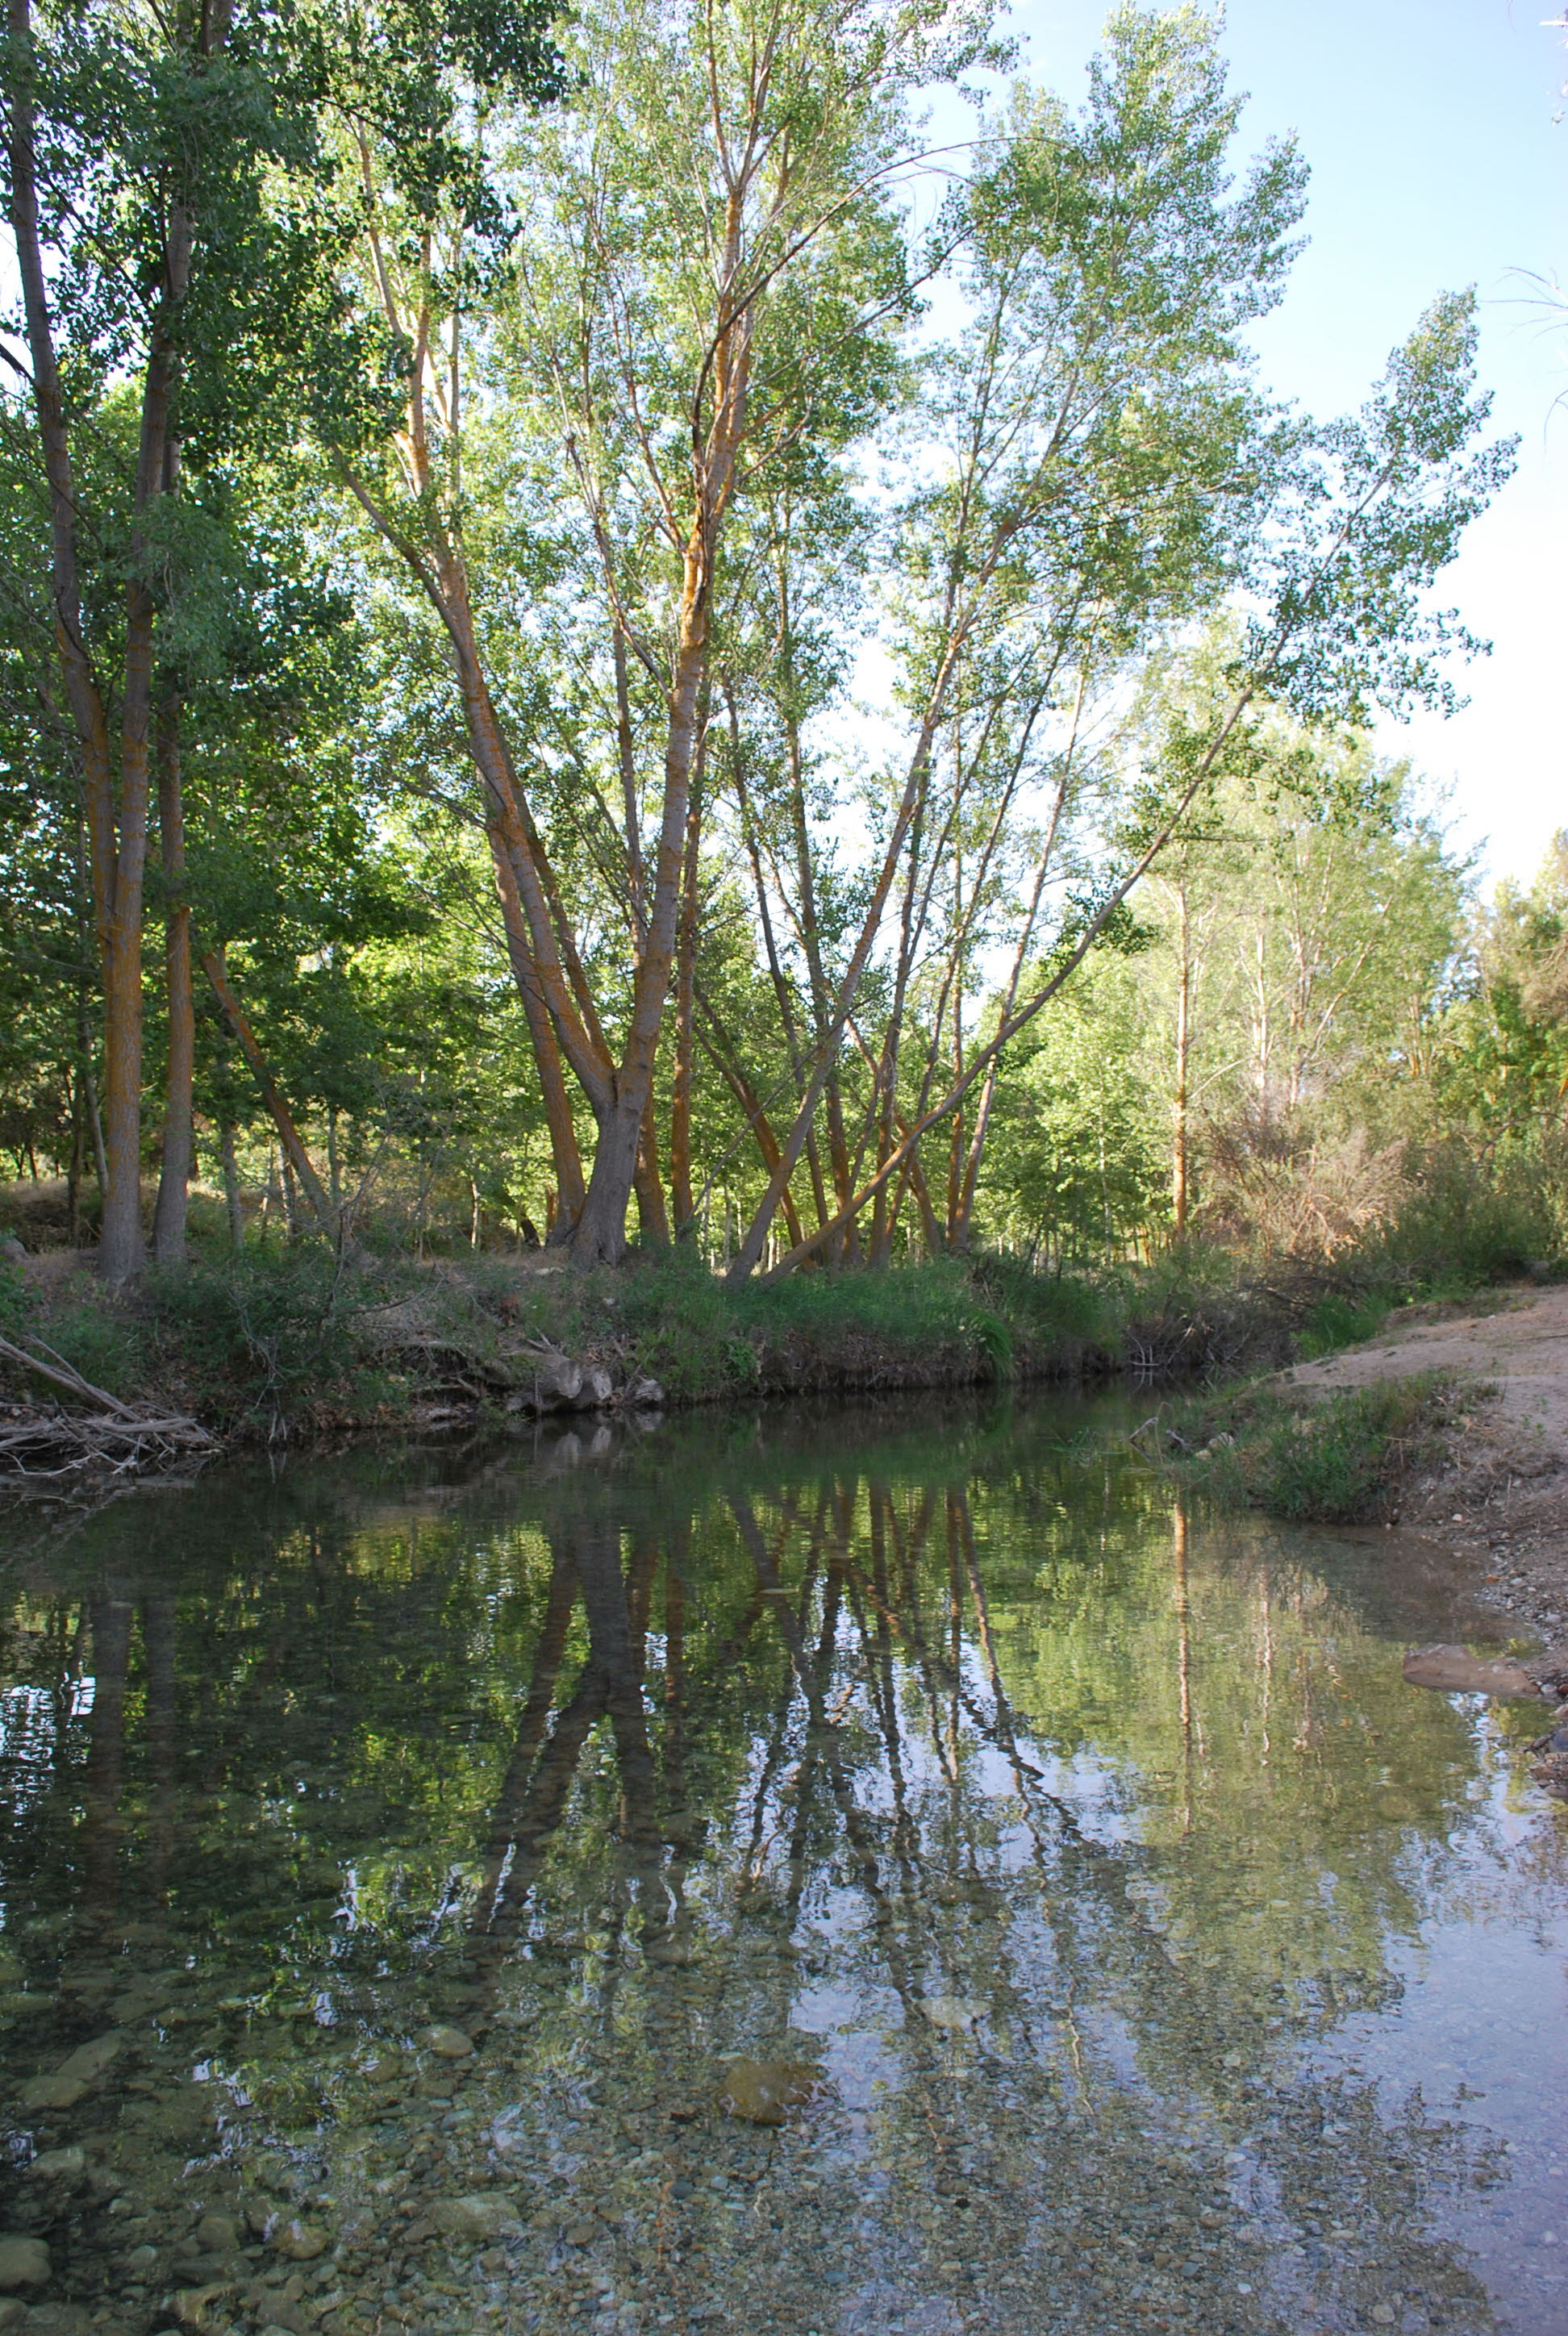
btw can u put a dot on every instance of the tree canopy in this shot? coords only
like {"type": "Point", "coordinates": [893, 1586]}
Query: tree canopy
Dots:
{"type": "Point", "coordinates": [573, 635]}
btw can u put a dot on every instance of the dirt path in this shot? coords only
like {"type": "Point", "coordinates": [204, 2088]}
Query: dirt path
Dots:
{"type": "Point", "coordinates": [1501, 1505]}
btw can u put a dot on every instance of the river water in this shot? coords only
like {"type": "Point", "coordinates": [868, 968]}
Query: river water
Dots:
{"type": "Point", "coordinates": [400, 1852]}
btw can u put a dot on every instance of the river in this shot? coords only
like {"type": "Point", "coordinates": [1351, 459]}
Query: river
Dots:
{"type": "Point", "coordinates": [411, 1861]}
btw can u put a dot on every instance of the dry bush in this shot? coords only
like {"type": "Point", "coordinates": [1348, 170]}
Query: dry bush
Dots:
{"type": "Point", "coordinates": [1269, 1185]}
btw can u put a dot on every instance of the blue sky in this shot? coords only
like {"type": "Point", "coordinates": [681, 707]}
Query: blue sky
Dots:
{"type": "Point", "coordinates": [1436, 160]}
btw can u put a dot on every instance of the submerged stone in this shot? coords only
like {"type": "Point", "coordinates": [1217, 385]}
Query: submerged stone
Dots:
{"type": "Point", "coordinates": [59, 2165]}
{"type": "Point", "coordinates": [760, 2091]}
{"type": "Point", "coordinates": [1454, 1671]}
{"type": "Point", "coordinates": [479, 2215]}
{"type": "Point", "coordinates": [953, 2012]}
{"type": "Point", "coordinates": [301, 2242]}
{"type": "Point", "coordinates": [64, 2086]}
{"type": "Point", "coordinates": [23, 2263]}
{"type": "Point", "coordinates": [449, 2043]}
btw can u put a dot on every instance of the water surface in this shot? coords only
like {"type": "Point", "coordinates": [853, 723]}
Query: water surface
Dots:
{"type": "Point", "coordinates": [1141, 1952]}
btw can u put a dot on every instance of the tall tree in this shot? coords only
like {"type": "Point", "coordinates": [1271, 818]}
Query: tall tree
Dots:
{"type": "Point", "coordinates": [160, 188]}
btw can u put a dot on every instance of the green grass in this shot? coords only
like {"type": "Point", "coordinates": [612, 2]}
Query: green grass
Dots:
{"type": "Point", "coordinates": [1340, 1460]}
{"type": "Point", "coordinates": [1341, 1319]}
{"type": "Point", "coordinates": [284, 1338]}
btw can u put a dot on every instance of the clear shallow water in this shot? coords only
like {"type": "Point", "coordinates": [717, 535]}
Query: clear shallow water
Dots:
{"type": "Point", "coordinates": [1152, 1956]}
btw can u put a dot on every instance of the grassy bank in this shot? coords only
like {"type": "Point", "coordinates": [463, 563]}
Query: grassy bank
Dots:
{"type": "Point", "coordinates": [1343, 1459]}
{"type": "Point", "coordinates": [283, 1338]}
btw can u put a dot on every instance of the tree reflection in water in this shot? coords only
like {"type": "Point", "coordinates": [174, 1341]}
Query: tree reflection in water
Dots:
{"type": "Point", "coordinates": [1063, 1833]}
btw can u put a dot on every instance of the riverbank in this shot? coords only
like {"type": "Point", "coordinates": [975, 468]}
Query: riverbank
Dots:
{"type": "Point", "coordinates": [287, 1342]}
{"type": "Point", "coordinates": [1448, 1431]}
{"type": "Point", "coordinates": [1498, 1496]}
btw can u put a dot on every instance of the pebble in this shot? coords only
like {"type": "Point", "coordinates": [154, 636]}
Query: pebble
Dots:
{"type": "Point", "coordinates": [64, 2086]}
{"type": "Point", "coordinates": [217, 2235]}
{"type": "Point", "coordinates": [449, 2043]}
{"type": "Point", "coordinates": [479, 2215]}
{"type": "Point", "coordinates": [301, 2242]}
{"type": "Point", "coordinates": [23, 2263]}
{"type": "Point", "coordinates": [59, 2165]}
{"type": "Point", "coordinates": [759, 2091]}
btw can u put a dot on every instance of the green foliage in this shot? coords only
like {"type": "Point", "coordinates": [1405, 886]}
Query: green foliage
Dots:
{"type": "Point", "coordinates": [451, 364]}
{"type": "Point", "coordinates": [1341, 1318]}
{"type": "Point", "coordinates": [1472, 1220]}
{"type": "Point", "coordinates": [108, 1344]}
{"type": "Point", "coordinates": [16, 1301]}
{"type": "Point", "coordinates": [271, 1336]}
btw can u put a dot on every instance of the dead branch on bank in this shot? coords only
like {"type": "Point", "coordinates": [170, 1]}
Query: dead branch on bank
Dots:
{"type": "Point", "coordinates": [42, 1443]}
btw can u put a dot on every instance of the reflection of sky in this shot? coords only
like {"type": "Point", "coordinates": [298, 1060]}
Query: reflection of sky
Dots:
{"type": "Point", "coordinates": [1478, 2030]}
{"type": "Point", "coordinates": [1468, 2035]}
{"type": "Point", "coordinates": [27, 1739]}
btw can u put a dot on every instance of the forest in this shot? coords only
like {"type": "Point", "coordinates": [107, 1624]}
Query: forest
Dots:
{"type": "Point", "coordinates": [610, 644]}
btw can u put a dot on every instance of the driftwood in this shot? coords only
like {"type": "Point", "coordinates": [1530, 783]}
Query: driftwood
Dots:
{"type": "Point", "coordinates": [44, 1442]}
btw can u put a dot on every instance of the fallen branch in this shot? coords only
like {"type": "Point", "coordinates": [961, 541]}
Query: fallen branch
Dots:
{"type": "Point", "coordinates": [41, 1443]}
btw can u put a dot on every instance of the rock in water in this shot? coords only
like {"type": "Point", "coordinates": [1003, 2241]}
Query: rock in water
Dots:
{"type": "Point", "coordinates": [23, 2263]}
{"type": "Point", "coordinates": [301, 2242]}
{"type": "Point", "coordinates": [197, 2307]}
{"type": "Point", "coordinates": [478, 2216]}
{"type": "Point", "coordinates": [217, 2234]}
{"type": "Point", "coordinates": [449, 2043]}
{"type": "Point", "coordinates": [66, 2086]}
{"type": "Point", "coordinates": [950, 2012]}
{"type": "Point", "coordinates": [59, 2165]}
{"type": "Point", "coordinates": [1454, 1671]}
{"type": "Point", "coordinates": [761, 2090]}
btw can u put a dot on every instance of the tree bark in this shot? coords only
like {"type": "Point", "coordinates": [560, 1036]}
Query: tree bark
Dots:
{"type": "Point", "coordinates": [682, 1205]}
{"type": "Point", "coordinates": [169, 1219]}
{"type": "Point", "coordinates": [117, 829]}
{"type": "Point", "coordinates": [232, 1202]}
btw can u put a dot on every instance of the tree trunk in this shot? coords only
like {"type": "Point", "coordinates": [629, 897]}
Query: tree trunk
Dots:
{"type": "Point", "coordinates": [95, 1130]}
{"type": "Point", "coordinates": [652, 1218]}
{"type": "Point", "coordinates": [74, 1168]}
{"type": "Point", "coordinates": [563, 1146]}
{"type": "Point", "coordinates": [600, 1233]}
{"type": "Point", "coordinates": [682, 1203]}
{"type": "Point", "coordinates": [1179, 1174]}
{"type": "Point", "coordinates": [117, 827]}
{"type": "Point", "coordinates": [231, 1198]}
{"type": "Point", "coordinates": [169, 1219]}
{"type": "Point", "coordinates": [288, 1136]}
